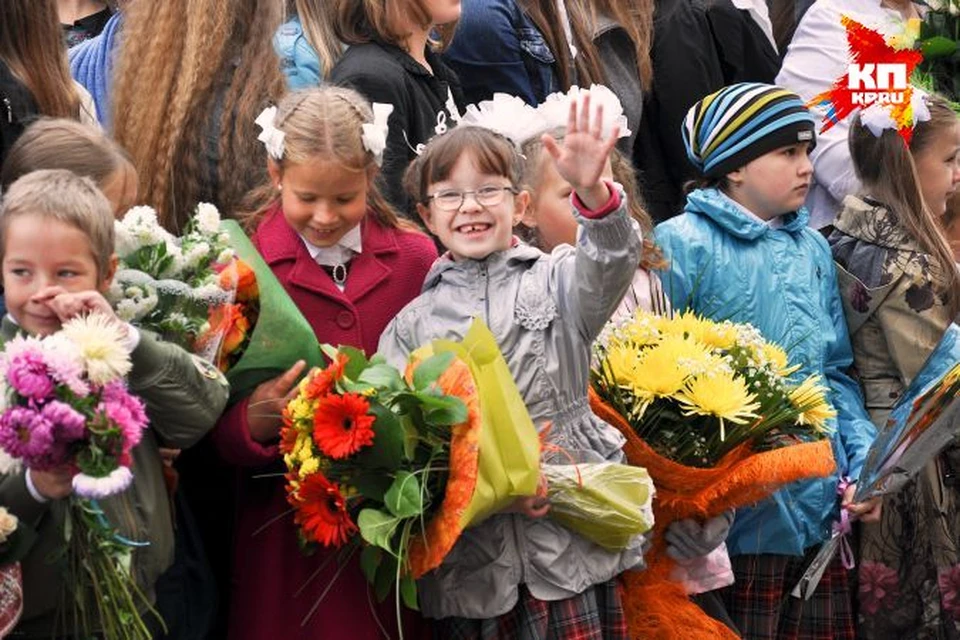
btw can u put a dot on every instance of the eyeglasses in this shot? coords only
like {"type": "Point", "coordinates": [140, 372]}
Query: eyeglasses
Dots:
{"type": "Point", "coordinates": [487, 196]}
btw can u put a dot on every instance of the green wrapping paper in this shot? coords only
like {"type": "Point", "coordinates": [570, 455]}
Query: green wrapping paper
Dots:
{"type": "Point", "coordinates": [281, 335]}
{"type": "Point", "coordinates": [509, 459]}
{"type": "Point", "coordinates": [605, 502]}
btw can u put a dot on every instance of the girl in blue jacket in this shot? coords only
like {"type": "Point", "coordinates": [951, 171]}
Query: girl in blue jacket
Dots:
{"type": "Point", "coordinates": [742, 251]}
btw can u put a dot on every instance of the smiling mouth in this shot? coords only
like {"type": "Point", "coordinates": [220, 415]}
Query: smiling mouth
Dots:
{"type": "Point", "coordinates": [473, 227]}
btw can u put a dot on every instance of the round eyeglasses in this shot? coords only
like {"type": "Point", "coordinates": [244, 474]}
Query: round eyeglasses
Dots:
{"type": "Point", "coordinates": [487, 196]}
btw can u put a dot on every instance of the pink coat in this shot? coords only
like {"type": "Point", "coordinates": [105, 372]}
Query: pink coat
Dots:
{"type": "Point", "coordinates": [269, 567]}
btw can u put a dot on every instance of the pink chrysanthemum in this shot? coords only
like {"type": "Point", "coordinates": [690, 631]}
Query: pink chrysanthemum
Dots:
{"type": "Point", "coordinates": [69, 423]}
{"type": "Point", "coordinates": [27, 374]}
{"type": "Point", "coordinates": [24, 433]}
{"type": "Point", "coordinates": [124, 410]}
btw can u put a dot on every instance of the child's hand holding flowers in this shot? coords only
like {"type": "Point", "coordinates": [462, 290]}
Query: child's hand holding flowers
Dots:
{"type": "Point", "coordinates": [584, 154]}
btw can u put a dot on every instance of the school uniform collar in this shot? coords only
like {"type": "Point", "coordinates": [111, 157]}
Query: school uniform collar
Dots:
{"type": "Point", "coordinates": [341, 253]}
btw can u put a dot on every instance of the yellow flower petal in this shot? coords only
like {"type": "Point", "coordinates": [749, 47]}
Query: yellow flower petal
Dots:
{"type": "Point", "coordinates": [723, 395]}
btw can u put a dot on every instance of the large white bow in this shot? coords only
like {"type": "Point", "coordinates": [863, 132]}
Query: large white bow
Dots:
{"type": "Point", "coordinates": [374, 134]}
{"type": "Point", "coordinates": [271, 137]}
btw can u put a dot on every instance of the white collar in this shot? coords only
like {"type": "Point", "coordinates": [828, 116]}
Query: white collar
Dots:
{"type": "Point", "coordinates": [340, 253]}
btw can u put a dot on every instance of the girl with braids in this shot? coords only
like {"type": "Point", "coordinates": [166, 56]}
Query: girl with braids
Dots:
{"type": "Point", "coordinates": [901, 290]}
{"type": "Point", "coordinates": [190, 78]}
{"type": "Point", "coordinates": [350, 265]}
{"type": "Point", "coordinates": [34, 77]}
{"type": "Point", "coordinates": [306, 44]}
{"type": "Point", "coordinates": [392, 58]}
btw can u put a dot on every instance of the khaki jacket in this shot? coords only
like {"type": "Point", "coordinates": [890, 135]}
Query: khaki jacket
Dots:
{"type": "Point", "coordinates": [895, 316]}
{"type": "Point", "coordinates": [184, 397]}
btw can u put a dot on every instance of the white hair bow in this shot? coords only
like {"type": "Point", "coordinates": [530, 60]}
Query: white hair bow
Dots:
{"type": "Point", "coordinates": [879, 117]}
{"type": "Point", "coordinates": [374, 134]}
{"type": "Point", "coordinates": [271, 137]}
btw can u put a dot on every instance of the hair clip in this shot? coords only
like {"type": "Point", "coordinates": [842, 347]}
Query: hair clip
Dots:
{"type": "Point", "coordinates": [374, 134]}
{"type": "Point", "coordinates": [271, 137]}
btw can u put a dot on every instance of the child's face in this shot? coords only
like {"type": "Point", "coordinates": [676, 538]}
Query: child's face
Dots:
{"type": "Point", "coordinates": [939, 170]}
{"type": "Point", "coordinates": [775, 183]}
{"type": "Point", "coordinates": [473, 231]}
{"type": "Point", "coordinates": [550, 212]}
{"type": "Point", "coordinates": [322, 200]}
{"type": "Point", "coordinates": [121, 189]}
{"type": "Point", "coordinates": [43, 254]}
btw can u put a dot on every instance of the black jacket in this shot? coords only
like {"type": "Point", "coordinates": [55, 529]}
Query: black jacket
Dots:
{"type": "Point", "coordinates": [385, 73]}
{"type": "Point", "coordinates": [17, 109]}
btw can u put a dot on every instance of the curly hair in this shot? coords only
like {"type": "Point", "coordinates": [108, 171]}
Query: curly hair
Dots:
{"type": "Point", "coordinates": [189, 70]}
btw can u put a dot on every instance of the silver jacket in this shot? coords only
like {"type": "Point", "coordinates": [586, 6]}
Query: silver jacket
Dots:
{"type": "Point", "coordinates": [545, 311]}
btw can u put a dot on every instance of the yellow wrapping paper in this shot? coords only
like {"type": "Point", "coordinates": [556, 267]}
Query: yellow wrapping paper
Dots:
{"type": "Point", "coordinates": [509, 459]}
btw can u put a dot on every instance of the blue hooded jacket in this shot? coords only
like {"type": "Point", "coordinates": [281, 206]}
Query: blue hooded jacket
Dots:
{"type": "Point", "coordinates": [727, 265]}
{"type": "Point", "coordinates": [298, 59]}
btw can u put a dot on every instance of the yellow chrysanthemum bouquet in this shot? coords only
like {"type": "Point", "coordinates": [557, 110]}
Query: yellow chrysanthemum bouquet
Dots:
{"type": "Point", "coordinates": [714, 414]}
{"type": "Point", "coordinates": [695, 389]}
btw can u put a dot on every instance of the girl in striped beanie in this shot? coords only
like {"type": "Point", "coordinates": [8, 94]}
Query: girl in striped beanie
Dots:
{"type": "Point", "coordinates": [742, 251]}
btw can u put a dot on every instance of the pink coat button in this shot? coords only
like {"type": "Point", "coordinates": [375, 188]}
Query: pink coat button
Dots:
{"type": "Point", "coordinates": [345, 320]}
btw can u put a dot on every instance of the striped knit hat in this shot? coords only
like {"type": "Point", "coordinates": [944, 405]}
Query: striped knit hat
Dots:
{"type": "Point", "coordinates": [739, 123]}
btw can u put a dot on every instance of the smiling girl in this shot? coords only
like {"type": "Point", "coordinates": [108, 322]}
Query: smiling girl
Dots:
{"type": "Point", "coordinates": [350, 266]}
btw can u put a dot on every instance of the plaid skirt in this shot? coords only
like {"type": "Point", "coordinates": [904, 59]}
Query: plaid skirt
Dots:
{"type": "Point", "coordinates": [761, 606]}
{"type": "Point", "coordinates": [595, 614]}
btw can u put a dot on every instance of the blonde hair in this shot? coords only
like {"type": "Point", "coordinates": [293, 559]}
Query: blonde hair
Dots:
{"type": "Point", "coordinates": [623, 173]}
{"type": "Point", "coordinates": [888, 172]}
{"type": "Point", "coordinates": [326, 123]}
{"type": "Point", "coordinates": [360, 21]}
{"type": "Point", "coordinates": [31, 45]}
{"type": "Point", "coordinates": [316, 16]}
{"type": "Point", "coordinates": [182, 63]}
{"type": "Point", "coordinates": [64, 144]}
{"type": "Point", "coordinates": [63, 196]}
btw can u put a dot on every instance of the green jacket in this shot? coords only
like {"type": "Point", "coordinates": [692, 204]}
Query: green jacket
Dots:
{"type": "Point", "coordinates": [184, 397]}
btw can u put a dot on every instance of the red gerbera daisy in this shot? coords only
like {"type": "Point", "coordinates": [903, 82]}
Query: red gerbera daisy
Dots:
{"type": "Point", "coordinates": [322, 512]}
{"type": "Point", "coordinates": [341, 426]}
{"type": "Point", "coordinates": [324, 381]}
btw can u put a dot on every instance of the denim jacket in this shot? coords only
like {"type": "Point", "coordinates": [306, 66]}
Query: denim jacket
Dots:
{"type": "Point", "coordinates": [298, 59]}
{"type": "Point", "coordinates": [498, 49]}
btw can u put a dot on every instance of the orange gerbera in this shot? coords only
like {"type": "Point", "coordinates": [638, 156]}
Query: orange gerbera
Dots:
{"type": "Point", "coordinates": [324, 381]}
{"type": "Point", "coordinates": [288, 434]}
{"type": "Point", "coordinates": [341, 426]}
{"type": "Point", "coordinates": [322, 511]}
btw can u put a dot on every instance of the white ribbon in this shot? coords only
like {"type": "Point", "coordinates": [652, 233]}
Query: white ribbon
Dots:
{"type": "Point", "coordinates": [374, 134]}
{"type": "Point", "coordinates": [877, 117]}
{"type": "Point", "coordinates": [271, 137]}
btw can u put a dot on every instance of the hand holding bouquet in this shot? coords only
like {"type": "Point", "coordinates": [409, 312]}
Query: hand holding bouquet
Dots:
{"type": "Point", "coordinates": [67, 409]}
{"type": "Point", "coordinates": [710, 410]}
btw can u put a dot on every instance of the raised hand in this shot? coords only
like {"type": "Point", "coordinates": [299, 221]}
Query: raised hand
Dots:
{"type": "Point", "coordinates": [581, 158]}
{"type": "Point", "coordinates": [70, 305]}
{"type": "Point", "coordinates": [265, 410]}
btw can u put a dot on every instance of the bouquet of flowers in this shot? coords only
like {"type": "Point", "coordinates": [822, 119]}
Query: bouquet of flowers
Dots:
{"type": "Point", "coordinates": [408, 460]}
{"type": "Point", "coordinates": [66, 404]}
{"type": "Point", "coordinates": [937, 37]}
{"type": "Point", "coordinates": [210, 292]}
{"type": "Point", "coordinates": [710, 410]}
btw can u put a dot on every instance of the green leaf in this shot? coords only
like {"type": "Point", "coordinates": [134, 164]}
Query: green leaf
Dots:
{"type": "Point", "coordinates": [386, 452]}
{"type": "Point", "coordinates": [386, 577]}
{"type": "Point", "coordinates": [408, 591]}
{"type": "Point", "coordinates": [370, 559]}
{"type": "Point", "coordinates": [356, 362]}
{"type": "Point", "coordinates": [430, 369]}
{"type": "Point", "coordinates": [403, 498]}
{"type": "Point", "coordinates": [382, 376]}
{"type": "Point", "coordinates": [442, 409]}
{"type": "Point", "coordinates": [360, 388]}
{"type": "Point", "coordinates": [330, 351]}
{"type": "Point", "coordinates": [372, 485]}
{"type": "Point", "coordinates": [411, 436]}
{"type": "Point", "coordinates": [378, 528]}
{"type": "Point", "coordinates": [938, 47]}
